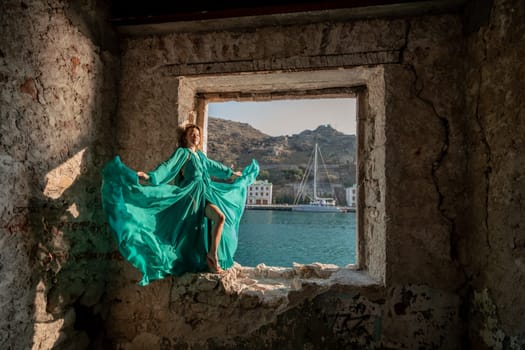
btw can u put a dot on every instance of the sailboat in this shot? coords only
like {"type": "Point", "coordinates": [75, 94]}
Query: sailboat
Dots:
{"type": "Point", "coordinates": [317, 204]}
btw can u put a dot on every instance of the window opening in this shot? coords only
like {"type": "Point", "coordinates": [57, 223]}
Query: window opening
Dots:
{"type": "Point", "coordinates": [288, 138]}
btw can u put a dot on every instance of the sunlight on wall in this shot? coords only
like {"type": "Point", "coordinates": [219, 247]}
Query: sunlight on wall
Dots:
{"type": "Point", "coordinates": [62, 177]}
{"type": "Point", "coordinates": [73, 210]}
{"type": "Point", "coordinates": [46, 328]}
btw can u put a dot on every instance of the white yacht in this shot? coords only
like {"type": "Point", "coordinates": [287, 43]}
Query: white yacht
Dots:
{"type": "Point", "coordinates": [317, 204]}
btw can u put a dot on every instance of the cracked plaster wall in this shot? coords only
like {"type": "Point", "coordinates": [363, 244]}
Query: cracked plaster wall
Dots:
{"type": "Point", "coordinates": [151, 79]}
{"type": "Point", "coordinates": [63, 283]}
{"type": "Point", "coordinates": [423, 135]}
{"type": "Point", "coordinates": [58, 74]}
{"type": "Point", "coordinates": [305, 307]}
{"type": "Point", "coordinates": [425, 154]}
{"type": "Point", "coordinates": [493, 249]}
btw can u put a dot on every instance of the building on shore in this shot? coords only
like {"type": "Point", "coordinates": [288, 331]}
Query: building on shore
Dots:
{"type": "Point", "coordinates": [351, 195]}
{"type": "Point", "coordinates": [259, 193]}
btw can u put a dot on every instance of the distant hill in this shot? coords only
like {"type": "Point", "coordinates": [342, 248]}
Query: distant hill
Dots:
{"type": "Point", "coordinates": [283, 159]}
{"type": "Point", "coordinates": [230, 142]}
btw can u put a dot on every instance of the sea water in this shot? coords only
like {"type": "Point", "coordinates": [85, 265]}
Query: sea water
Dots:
{"type": "Point", "coordinates": [280, 238]}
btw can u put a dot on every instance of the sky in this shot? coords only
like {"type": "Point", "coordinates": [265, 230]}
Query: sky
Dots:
{"type": "Point", "coordinates": [288, 117]}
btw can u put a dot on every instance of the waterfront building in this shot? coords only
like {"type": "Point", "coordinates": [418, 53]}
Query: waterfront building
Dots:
{"type": "Point", "coordinates": [351, 196]}
{"type": "Point", "coordinates": [259, 193]}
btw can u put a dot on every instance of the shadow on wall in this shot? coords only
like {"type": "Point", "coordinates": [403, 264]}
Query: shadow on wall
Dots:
{"type": "Point", "coordinates": [74, 250]}
{"type": "Point", "coordinates": [75, 101]}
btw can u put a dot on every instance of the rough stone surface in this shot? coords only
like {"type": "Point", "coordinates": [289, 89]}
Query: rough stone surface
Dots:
{"type": "Point", "coordinates": [308, 306]}
{"type": "Point", "coordinates": [442, 170]}
{"type": "Point", "coordinates": [413, 144]}
{"type": "Point", "coordinates": [425, 154]}
{"type": "Point", "coordinates": [493, 249]}
{"type": "Point", "coordinates": [58, 93]}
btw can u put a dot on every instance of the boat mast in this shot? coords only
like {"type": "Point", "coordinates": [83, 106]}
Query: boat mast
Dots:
{"type": "Point", "coordinates": [315, 173]}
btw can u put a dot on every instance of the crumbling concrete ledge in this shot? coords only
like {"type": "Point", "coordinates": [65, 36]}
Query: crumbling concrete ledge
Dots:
{"type": "Point", "coordinates": [196, 309]}
{"type": "Point", "coordinates": [273, 285]}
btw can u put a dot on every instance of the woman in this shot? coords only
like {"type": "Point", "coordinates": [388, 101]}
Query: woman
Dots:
{"type": "Point", "coordinates": [162, 228]}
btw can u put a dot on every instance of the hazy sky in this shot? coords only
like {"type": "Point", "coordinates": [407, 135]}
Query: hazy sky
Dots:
{"type": "Point", "coordinates": [288, 117]}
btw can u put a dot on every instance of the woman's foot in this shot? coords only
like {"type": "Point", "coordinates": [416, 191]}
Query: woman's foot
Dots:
{"type": "Point", "coordinates": [213, 264]}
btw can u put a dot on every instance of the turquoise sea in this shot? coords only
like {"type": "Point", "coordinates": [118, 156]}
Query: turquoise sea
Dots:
{"type": "Point", "coordinates": [279, 238]}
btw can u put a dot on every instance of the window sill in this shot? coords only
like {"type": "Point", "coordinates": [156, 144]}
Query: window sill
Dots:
{"type": "Point", "coordinates": [280, 286]}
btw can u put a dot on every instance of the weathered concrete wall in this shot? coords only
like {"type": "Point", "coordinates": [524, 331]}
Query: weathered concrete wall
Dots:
{"type": "Point", "coordinates": [58, 77]}
{"type": "Point", "coordinates": [307, 307]}
{"type": "Point", "coordinates": [493, 250]}
{"type": "Point", "coordinates": [424, 142]}
{"type": "Point", "coordinates": [425, 154]}
{"type": "Point", "coordinates": [152, 65]}
{"type": "Point", "coordinates": [450, 203]}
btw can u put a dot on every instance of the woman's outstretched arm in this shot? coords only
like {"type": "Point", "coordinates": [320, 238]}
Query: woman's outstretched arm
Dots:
{"type": "Point", "coordinates": [217, 169]}
{"type": "Point", "coordinates": [167, 170]}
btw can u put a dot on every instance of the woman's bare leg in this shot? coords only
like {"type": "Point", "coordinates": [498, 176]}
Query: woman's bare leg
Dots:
{"type": "Point", "coordinates": [213, 213]}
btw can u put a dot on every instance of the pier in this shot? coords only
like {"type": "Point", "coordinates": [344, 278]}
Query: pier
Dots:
{"type": "Point", "coordinates": [284, 207]}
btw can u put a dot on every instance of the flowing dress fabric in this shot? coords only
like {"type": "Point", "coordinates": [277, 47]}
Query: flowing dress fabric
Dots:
{"type": "Point", "coordinates": [161, 229]}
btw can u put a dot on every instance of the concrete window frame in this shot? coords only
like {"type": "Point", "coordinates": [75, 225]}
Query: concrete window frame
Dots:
{"type": "Point", "coordinates": [364, 83]}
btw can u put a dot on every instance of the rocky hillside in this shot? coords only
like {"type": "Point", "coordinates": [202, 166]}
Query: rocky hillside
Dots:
{"type": "Point", "coordinates": [283, 159]}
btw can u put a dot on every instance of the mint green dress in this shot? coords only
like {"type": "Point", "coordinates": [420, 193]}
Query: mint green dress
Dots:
{"type": "Point", "coordinates": [161, 228]}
